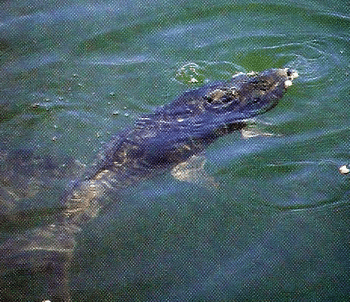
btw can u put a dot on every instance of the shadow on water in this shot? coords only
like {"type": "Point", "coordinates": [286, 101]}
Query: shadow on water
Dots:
{"type": "Point", "coordinates": [275, 228]}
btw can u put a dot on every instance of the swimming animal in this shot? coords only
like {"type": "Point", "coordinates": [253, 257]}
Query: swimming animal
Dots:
{"type": "Point", "coordinates": [172, 138]}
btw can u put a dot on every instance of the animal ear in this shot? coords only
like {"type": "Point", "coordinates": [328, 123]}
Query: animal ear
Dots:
{"type": "Point", "coordinates": [193, 171]}
{"type": "Point", "coordinates": [224, 95]}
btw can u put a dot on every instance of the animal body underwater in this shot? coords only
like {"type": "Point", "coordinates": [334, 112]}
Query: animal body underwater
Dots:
{"type": "Point", "coordinates": [171, 138]}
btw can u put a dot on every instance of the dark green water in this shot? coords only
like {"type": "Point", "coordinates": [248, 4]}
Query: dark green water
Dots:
{"type": "Point", "coordinates": [277, 227]}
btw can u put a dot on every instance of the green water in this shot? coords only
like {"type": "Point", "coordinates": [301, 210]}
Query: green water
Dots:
{"type": "Point", "coordinates": [277, 227]}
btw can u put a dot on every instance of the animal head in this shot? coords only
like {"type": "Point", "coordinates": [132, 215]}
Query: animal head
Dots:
{"type": "Point", "coordinates": [215, 105]}
{"type": "Point", "coordinates": [250, 94]}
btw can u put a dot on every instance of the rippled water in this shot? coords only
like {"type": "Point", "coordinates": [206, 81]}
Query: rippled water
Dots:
{"type": "Point", "coordinates": [276, 228]}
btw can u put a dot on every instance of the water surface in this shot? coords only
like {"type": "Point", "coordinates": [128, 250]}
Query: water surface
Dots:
{"type": "Point", "coordinates": [276, 228]}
